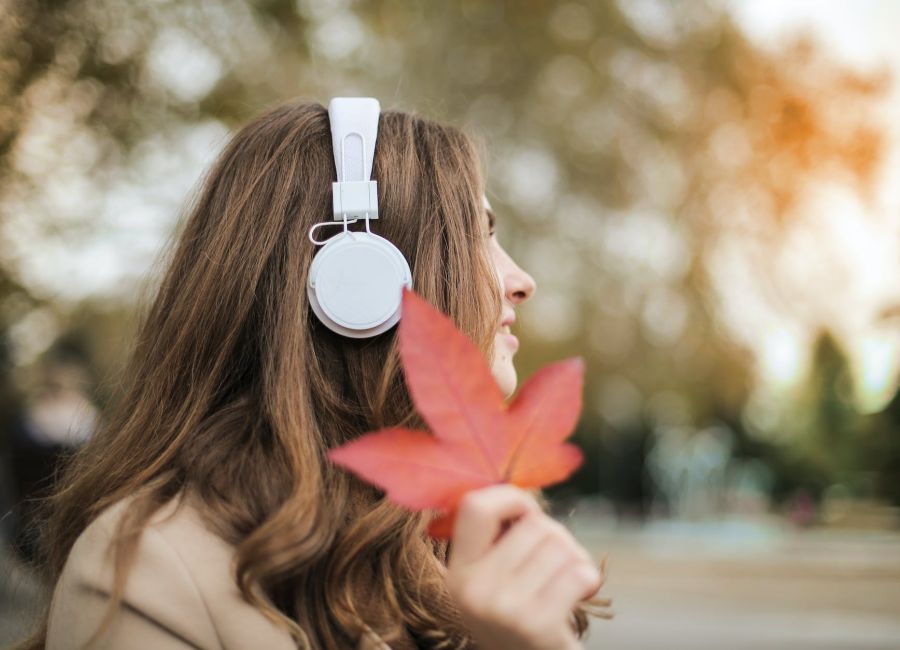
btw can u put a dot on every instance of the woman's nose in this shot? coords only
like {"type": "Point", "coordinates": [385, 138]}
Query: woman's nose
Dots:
{"type": "Point", "coordinates": [518, 285]}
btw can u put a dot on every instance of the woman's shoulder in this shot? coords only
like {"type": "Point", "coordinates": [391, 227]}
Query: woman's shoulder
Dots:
{"type": "Point", "coordinates": [180, 591]}
{"type": "Point", "coordinates": [180, 585]}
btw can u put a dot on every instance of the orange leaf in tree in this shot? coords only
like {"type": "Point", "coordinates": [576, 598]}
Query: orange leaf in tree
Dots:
{"type": "Point", "coordinates": [476, 438]}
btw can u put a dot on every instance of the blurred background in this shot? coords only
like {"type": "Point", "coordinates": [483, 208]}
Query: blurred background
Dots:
{"type": "Point", "coordinates": [705, 191]}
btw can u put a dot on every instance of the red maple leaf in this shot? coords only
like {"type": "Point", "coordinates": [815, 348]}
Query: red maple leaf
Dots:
{"type": "Point", "coordinates": [476, 438]}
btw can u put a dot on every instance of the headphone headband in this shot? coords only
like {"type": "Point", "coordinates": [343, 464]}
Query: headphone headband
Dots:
{"type": "Point", "coordinates": [354, 129]}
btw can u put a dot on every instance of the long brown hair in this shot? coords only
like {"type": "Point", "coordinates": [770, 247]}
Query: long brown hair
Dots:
{"type": "Point", "coordinates": [235, 391]}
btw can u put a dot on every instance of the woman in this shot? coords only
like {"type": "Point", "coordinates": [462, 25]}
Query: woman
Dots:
{"type": "Point", "coordinates": [205, 514]}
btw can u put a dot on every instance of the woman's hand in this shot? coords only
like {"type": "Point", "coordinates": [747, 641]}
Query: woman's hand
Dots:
{"type": "Point", "coordinates": [518, 591]}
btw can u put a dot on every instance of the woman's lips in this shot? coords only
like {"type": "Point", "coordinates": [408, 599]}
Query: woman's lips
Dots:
{"type": "Point", "coordinates": [510, 339]}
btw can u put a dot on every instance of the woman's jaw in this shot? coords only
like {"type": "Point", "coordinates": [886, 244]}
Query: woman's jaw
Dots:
{"type": "Point", "coordinates": [505, 346]}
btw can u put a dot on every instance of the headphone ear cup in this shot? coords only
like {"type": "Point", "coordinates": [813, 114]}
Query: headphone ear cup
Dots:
{"type": "Point", "coordinates": [355, 284]}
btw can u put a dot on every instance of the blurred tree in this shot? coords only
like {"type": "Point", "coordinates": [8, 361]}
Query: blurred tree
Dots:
{"type": "Point", "coordinates": [881, 445]}
{"type": "Point", "coordinates": [830, 435]}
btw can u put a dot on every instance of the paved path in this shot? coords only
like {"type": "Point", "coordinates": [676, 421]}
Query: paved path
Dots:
{"type": "Point", "coordinates": [677, 587]}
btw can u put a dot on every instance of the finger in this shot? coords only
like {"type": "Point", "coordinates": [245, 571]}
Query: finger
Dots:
{"type": "Point", "coordinates": [480, 516]}
{"type": "Point", "coordinates": [567, 540]}
{"type": "Point", "coordinates": [538, 569]}
{"type": "Point", "coordinates": [518, 544]}
{"type": "Point", "coordinates": [569, 586]}
{"type": "Point", "coordinates": [546, 526]}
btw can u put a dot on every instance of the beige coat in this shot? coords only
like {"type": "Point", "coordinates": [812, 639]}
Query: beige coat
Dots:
{"type": "Point", "coordinates": [180, 592]}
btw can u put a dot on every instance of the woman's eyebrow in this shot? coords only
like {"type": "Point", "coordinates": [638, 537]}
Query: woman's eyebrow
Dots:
{"type": "Point", "coordinates": [491, 217]}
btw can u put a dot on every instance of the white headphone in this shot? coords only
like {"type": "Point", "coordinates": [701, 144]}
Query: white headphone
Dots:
{"type": "Point", "coordinates": [355, 283]}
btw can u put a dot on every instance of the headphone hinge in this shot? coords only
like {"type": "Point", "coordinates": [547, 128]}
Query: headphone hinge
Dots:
{"type": "Point", "coordinates": [355, 199]}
